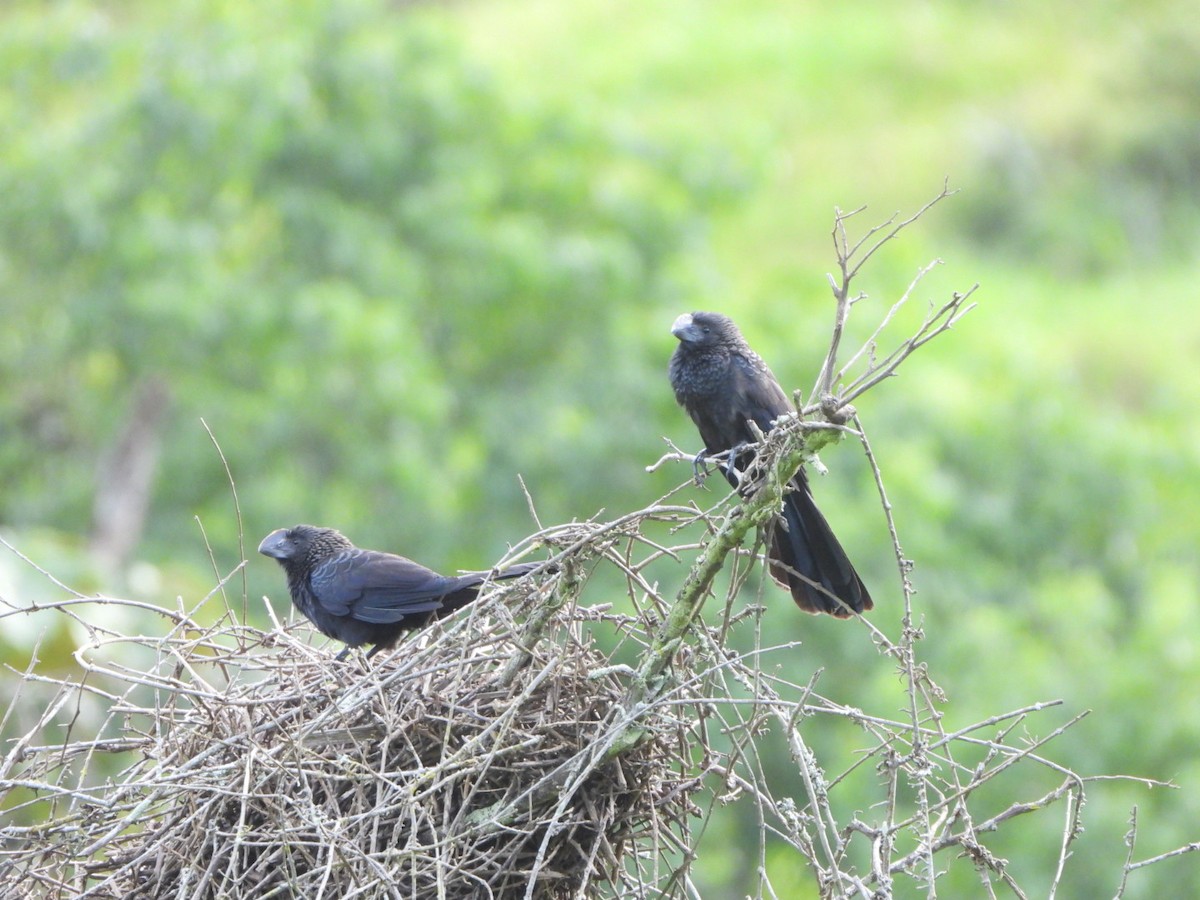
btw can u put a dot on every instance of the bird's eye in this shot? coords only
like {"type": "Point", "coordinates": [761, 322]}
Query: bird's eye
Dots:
{"type": "Point", "coordinates": [706, 329]}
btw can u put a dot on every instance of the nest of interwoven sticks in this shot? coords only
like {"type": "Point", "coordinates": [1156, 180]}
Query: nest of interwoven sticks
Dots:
{"type": "Point", "coordinates": [482, 758]}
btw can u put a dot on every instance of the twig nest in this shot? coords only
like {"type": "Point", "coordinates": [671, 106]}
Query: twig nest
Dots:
{"type": "Point", "coordinates": [426, 774]}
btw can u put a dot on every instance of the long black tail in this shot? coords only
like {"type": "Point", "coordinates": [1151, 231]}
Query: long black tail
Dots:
{"type": "Point", "coordinates": [468, 585]}
{"type": "Point", "coordinates": [806, 558]}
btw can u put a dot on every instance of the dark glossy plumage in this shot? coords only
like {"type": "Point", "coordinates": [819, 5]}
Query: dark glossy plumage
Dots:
{"type": "Point", "coordinates": [366, 596]}
{"type": "Point", "coordinates": [723, 385]}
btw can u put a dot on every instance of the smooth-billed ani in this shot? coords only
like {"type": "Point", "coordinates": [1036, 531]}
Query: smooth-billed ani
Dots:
{"type": "Point", "coordinates": [366, 596]}
{"type": "Point", "coordinates": [724, 385]}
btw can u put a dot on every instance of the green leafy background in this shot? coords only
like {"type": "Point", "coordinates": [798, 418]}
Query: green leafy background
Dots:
{"type": "Point", "coordinates": [398, 255]}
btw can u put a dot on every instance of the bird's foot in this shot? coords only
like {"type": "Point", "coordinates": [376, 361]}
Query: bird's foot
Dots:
{"type": "Point", "coordinates": [835, 411]}
{"type": "Point", "coordinates": [732, 472]}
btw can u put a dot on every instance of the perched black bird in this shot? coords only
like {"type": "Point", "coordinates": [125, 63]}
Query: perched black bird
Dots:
{"type": "Point", "coordinates": [365, 596]}
{"type": "Point", "coordinates": [724, 385]}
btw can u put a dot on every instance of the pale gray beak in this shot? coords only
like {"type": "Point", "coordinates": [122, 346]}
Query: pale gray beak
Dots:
{"type": "Point", "coordinates": [685, 328]}
{"type": "Point", "coordinates": [275, 544]}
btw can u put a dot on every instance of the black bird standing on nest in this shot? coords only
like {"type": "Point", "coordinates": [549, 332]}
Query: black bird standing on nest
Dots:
{"type": "Point", "coordinates": [366, 596]}
{"type": "Point", "coordinates": [724, 385]}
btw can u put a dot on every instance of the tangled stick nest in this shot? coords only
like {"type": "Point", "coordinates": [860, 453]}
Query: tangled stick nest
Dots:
{"type": "Point", "coordinates": [502, 757]}
{"type": "Point", "coordinates": [473, 761]}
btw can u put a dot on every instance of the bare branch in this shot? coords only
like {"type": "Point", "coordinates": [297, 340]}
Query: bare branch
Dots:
{"type": "Point", "coordinates": [566, 735]}
{"type": "Point", "coordinates": [851, 259]}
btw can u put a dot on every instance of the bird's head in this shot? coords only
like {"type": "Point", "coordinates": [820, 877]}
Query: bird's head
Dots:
{"type": "Point", "coordinates": [288, 544]}
{"type": "Point", "coordinates": [703, 329]}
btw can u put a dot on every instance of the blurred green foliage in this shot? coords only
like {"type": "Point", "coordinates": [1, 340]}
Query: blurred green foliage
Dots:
{"type": "Point", "coordinates": [386, 288]}
{"type": "Point", "coordinates": [396, 257]}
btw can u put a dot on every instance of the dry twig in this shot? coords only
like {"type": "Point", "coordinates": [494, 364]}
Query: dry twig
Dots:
{"type": "Point", "coordinates": [504, 753]}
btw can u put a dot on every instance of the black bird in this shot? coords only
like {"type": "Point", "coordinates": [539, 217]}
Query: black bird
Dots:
{"type": "Point", "coordinates": [724, 385]}
{"type": "Point", "coordinates": [366, 596]}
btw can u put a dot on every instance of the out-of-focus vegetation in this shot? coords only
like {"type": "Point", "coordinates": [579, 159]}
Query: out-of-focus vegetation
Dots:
{"type": "Point", "coordinates": [397, 256]}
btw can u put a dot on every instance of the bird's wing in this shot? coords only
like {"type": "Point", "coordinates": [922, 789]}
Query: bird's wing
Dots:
{"type": "Point", "coordinates": [377, 587]}
{"type": "Point", "coordinates": [756, 393]}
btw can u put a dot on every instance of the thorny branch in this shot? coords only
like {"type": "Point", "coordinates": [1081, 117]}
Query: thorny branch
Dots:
{"type": "Point", "coordinates": [943, 815]}
{"type": "Point", "coordinates": [502, 751]}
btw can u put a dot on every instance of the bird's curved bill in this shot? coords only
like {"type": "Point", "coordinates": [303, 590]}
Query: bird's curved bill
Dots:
{"type": "Point", "coordinates": [274, 544]}
{"type": "Point", "coordinates": [684, 327]}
